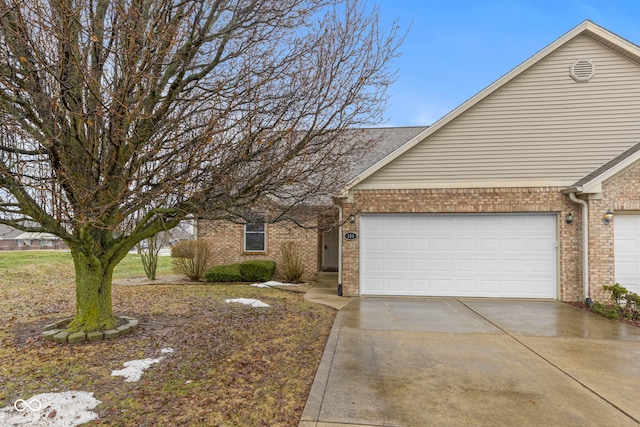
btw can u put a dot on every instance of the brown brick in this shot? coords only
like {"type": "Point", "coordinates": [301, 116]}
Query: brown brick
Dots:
{"type": "Point", "coordinates": [481, 200]}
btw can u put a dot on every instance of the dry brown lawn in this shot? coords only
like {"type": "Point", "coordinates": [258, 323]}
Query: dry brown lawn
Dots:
{"type": "Point", "coordinates": [232, 365]}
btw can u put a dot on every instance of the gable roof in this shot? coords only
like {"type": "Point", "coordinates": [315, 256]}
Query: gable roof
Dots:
{"type": "Point", "coordinates": [382, 142]}
{"type": "Point", "coordinates": [8, 233]}
{"type": "Point", "coordinates": [587, 29]}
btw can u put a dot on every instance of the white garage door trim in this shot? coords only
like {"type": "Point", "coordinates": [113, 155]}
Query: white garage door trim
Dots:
{"type": "Point", "coordinates": [476, 255]}
{"type": "Point", "coordinates": [626, 250]}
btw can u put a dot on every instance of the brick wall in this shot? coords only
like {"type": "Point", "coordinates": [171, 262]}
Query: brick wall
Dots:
{"type": "Point", "coordinates": [495, 200]}
{"type": "Point", "coordinates": [620, 194]}
{"type": "Point", "coordinates": [226, 240]}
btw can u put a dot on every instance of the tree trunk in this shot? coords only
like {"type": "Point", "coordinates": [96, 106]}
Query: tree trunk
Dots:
{"type": "Point", "coordinates": [93, 294]}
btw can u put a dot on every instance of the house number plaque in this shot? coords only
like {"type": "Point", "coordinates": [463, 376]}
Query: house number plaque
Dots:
{"type": "Point", "coordinates": [350, 236]}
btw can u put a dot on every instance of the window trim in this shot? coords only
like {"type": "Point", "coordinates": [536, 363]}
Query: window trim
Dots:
{"type": "Point", "coordinates": [263, 233]}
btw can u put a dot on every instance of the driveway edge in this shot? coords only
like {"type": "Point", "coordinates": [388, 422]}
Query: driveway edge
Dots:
{"type": "Point", "coordinates": [312, 408]}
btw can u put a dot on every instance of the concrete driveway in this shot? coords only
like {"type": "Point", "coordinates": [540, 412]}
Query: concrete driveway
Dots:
{"type": "Point", "coordinates": [480, 362]}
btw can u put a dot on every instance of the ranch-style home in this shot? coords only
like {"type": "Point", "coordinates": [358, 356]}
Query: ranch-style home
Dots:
{"type": "Point", "coordinates": [530, 189]}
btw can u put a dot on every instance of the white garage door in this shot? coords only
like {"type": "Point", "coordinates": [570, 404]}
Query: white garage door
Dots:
{"type": "Point", "coordinates": [626, 249]}
{"type": "Point", "coordinates": [506, 255]}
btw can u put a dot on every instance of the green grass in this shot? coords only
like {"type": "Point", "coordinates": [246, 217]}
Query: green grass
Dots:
{"type": "Point", "coordinates": [130, 266]}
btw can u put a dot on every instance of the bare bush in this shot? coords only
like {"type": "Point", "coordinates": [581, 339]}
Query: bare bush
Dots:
{"type": "Point", "coordinates": [292, 264]}
{"type": "Point", "coordinates": [191, 257]}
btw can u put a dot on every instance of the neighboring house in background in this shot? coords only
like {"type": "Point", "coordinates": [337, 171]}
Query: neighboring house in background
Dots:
{"type": "Point", "coordinates": [231, 242]}
{"type": "Point", "coordinates": [13, 239]}
{"type": "Point", "coordinates": [530, 189]}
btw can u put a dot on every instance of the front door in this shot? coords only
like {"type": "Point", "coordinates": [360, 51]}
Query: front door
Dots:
{"type": "Point", "coordinates": [330, 250]}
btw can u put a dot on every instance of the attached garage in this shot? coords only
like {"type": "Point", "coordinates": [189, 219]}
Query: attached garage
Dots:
{"type": "Point", "coordinates": [475, 255]}
{"type": "Point", "coordinates": [627, 251]}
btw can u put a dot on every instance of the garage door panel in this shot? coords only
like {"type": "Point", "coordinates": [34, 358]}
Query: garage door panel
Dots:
{"type": "Point", "coordinates": [540, 266]}
{"type": "Point", "coordinates": [397, 285]}
{"type": "Point", "coordinates": [467, 286]}
{"type": "Point", "coordinates": [373, 244]}
{"type": "Point", "coordinates": [417, 225]}
{"type": "Point", "coordinates": [510, 255]}
{"type": "Point", "coordinates": [515, 245]}
{"type": "Point", "coordinates": [514, 265]}
{"type": "Point", "coordinates": [625, 246]}
{"type": "Point", "coordinates": [626, 268]}
{"type": "Point", "coordinates": [396, 265]}
{"type": "Point", "coordinates": [373, 265]}
{"type": "Point", "coordinates": [489, 287]}
{"type": "Point", "coordinates": [490, 224]}
{"type": "Point", "coordinates": [419, 244]}
{"type": "Point", "coordinates": [490, 266]}
{"type": "Point", "coordinates": [442, 224]}
{"type": "Point", "coordinates": [417, 285]}
{"type": "Point", "coordinates": [466, 224]}
{"type": "Point", "coordinates": [420, 264]}
{"type": "Point", "coordinates": [466, 245]}
{"type": "Point", "coordinates": [442, 265]}
{"type": "Point", "coordinates": [439, 244]}
{"type": "Point", "coordinates": [490, 245]}
{"type": "Point", "coordinates": [463, 265]}
{"type": "Point", "coordinates": [442, 286]}
{"type": "Point", "coordinates": [396, 224]}
{"type": "Point", "coordinates": [538, 245]}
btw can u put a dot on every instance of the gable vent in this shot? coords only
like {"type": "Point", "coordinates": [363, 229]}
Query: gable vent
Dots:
{"type": "Point", "coordinates": [582, 70]}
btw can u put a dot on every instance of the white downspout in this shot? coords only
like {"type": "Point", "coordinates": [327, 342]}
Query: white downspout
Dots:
{"type": "Point", "coordinates": [585, 243]}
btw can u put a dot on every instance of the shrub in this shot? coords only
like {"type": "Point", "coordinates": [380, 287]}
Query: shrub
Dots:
{"type": "Point", "coordinates": [190, 257]}
{"type": "Point", "coordinates": [633, 305]}
{"type": "Point", "coordinates": [608, 311]}
{"type": "Point", "coordinates": [257, 270]}
{"type": "Point", "coordinates": [626, 302]}
{"type": "Point", "coordinates": [224, 273]}
{"type": "Point", "coordinates": [618, 294]}
{"type": "Point", "coordinates": [248, 271]}
{"type": "Point", "coordinates": [292, 266]}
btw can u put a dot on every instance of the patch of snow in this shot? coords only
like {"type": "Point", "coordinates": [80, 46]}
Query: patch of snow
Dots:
{"type": "Point", "coordinates": [66, 409]}
{"type": "Point", "coordinates": [248, 301]}
{"type": "Point", "coordinates": [134, 368]}
{"type": "Point", "coordinates": [273, 283]}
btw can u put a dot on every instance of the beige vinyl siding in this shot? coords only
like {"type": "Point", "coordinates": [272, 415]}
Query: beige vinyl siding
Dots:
{"type": "Point", "coordinates": [542, 127]}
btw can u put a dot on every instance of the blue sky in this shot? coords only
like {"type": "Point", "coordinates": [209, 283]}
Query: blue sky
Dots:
{"type": "Point", "coordinates": [455, 48]}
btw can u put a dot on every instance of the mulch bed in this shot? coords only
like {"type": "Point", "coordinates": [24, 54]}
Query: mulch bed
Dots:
{"type": "Point", "coordinates": [584, 306]}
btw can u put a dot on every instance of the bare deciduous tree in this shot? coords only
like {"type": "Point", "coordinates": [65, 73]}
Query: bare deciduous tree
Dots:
{"type": "Point", "coordinates": [109, 108]}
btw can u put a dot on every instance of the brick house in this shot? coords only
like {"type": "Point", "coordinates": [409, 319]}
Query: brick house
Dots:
{"type": "Point", "coordinates": [530, 189]}
{"type": "Point", "coordinates": [14, 239]}
{"type": "Point", "coordinates": [231, 242]}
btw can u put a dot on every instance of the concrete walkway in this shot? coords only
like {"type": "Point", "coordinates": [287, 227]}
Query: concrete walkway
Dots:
{"type": "Point", "coordinates": [325, 291]}
{"type": "Point", "coordinates": [480, 362]}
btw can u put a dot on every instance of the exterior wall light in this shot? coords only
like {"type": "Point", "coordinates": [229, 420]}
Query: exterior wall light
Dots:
{"type": "Point", "coordinates": [352, 219]}
{"type": "Point", "coordinates": [608, 216]}
{"type": "Point", "coordinates": [569, 218]}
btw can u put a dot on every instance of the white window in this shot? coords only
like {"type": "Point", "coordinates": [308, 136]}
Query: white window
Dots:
{"type": "Point", "coordinates": [254, 237]}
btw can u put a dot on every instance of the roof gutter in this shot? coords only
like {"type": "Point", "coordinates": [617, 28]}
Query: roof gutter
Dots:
{"type": "Point", "coordinates": [585, 245]}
